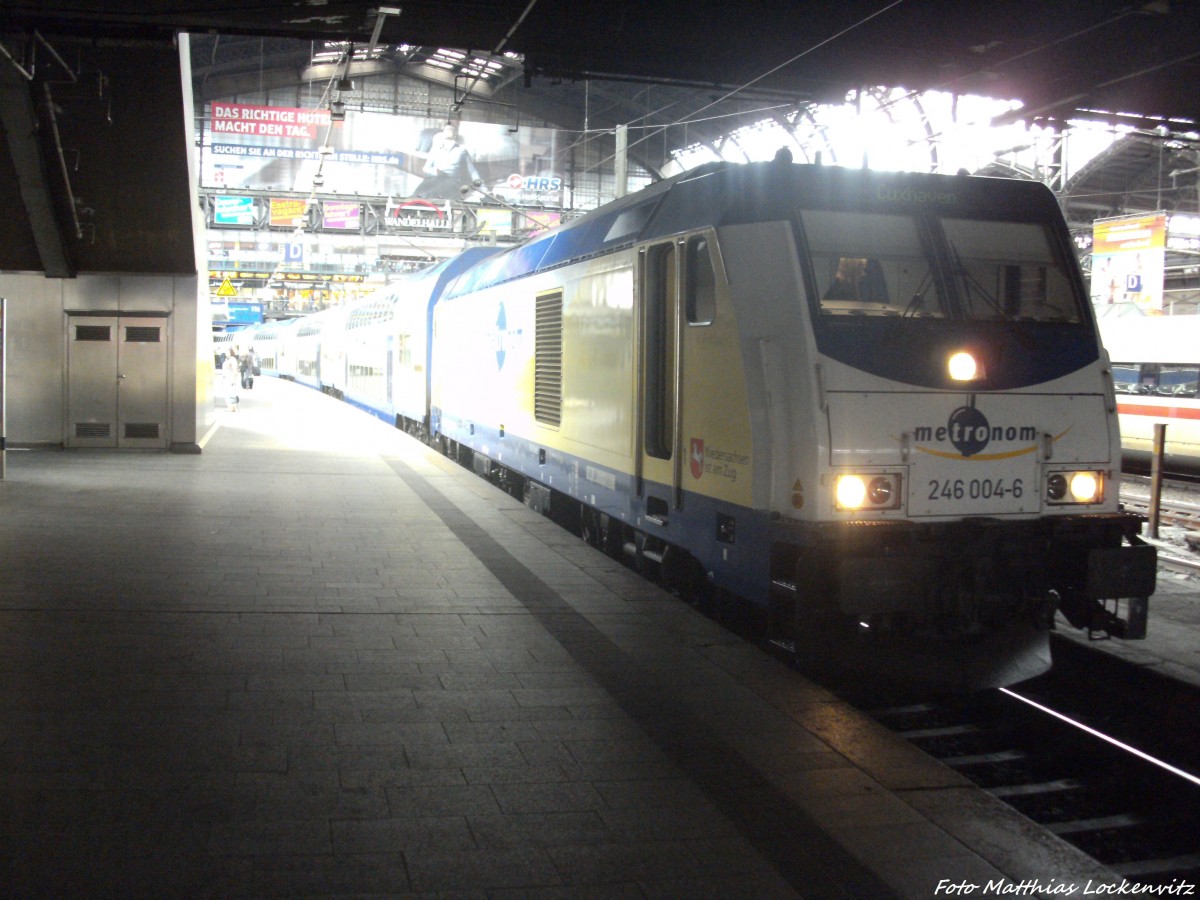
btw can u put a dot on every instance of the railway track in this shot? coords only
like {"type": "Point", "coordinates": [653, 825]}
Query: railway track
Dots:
{"type": "Point", "coordinates": [1064, 749]}
{"type": "Point", "coordinates": [1098, 751]}
{"type": "Point", "coordinates": [1182, 515]}
{"type": "Point", "coordinates": [1134, 816]}
{"type": "Point", "coordinates": [1179, 509]}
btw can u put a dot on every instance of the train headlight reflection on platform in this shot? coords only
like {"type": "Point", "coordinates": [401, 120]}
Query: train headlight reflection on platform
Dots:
{"type": "Point", "coordinates": [854, 491]}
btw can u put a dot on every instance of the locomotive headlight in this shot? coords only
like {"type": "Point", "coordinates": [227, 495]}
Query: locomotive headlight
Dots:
{"type": "Point", "coordinates": [854, 491]}
{"type": "Point", "coordinates": [879, 491]}
{"type": "Point", "coordinates": [1056, 486]}
{"type": "Point", "coordinates": [1085, 487]}
{"type": "Point", "coordinates": [963, 366]}
{"type": "Point", "coordinates": [850, 491]}
{"type": "Point", "coordinates": [1075, 487]}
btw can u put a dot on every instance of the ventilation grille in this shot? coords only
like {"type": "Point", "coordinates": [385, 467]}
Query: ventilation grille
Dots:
{"type": "Point", "coordinates": [93, 332]}
{"type": "Point", "coordinates": [93, 429]}
{"type": "Point", "coordinates": [142, 430]}
{"type": "Point", "coordinates": [547, 372]}
{"type": "Point", "coordinates": [143, 334]}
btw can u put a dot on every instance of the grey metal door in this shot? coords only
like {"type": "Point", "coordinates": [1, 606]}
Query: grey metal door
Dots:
{"type": "Point", "coordinates": [117, 381]}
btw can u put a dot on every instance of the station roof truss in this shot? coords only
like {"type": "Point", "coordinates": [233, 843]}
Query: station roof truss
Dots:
{"type": "Point", "coordinates": [1105, 55]}
{"type": "Point", "coordinates": [689, 74]}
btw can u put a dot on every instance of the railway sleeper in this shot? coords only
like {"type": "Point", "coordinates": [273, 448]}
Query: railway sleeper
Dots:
{"type": "Point", "coordinates": [1008, 791]}
{"type": "Point", "coordinates": [1100, 823]}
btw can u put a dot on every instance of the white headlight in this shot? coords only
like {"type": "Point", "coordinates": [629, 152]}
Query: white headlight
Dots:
{"type": "Point", "coordinates": [963, 367]}
{"type": "Point", "coordinates": [850, 491]}
{"type": "Point", "coordinates": [1085, 487]}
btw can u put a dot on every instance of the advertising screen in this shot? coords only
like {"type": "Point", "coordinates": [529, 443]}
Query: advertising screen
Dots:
{"type": "Point", "coordinates": [233, 211]}
{"type": "Point", "coordinates": [286, 213]}
{"type": "Point", "coordinates": [341, 215]}
{"type": "Point", "coordinates": [379, 154]}
{"type": "Point", "coordinates": [1128, 258]}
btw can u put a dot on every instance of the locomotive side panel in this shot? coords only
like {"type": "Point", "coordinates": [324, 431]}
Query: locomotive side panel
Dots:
{"type": "Point", "coordinates": [716, 439]}
{"type": "Point", "coordinates": [538, 374]}
{"type": "Point", "coordinates": [777, 357]}
{"type": "Point", "coordinates": [597, 362]}
{"type": "Point", "coordinates": [480, 366]}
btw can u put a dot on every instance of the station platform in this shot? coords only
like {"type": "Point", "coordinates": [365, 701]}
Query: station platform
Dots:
{"type": "Point", "coordinates": [1170, 648]}
{"type": "Point", "coordinates": [319, 660]}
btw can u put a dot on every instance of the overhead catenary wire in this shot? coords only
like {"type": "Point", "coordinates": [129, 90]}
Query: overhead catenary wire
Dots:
{"type": "Point", "coordinates": [947, 84]}
{"type": "Point", "coordinates": [499, 48]}
{"type": "Point", "coordinates": [737, 90]}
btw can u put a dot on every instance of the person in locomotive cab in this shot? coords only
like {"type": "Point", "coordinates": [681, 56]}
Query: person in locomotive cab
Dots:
{"type": "Point", "coordinates": [448, 168]}
{"type": "Point", "coordinates": [858, 279]}
{"type": "Point", "coordinates": [847, 279]}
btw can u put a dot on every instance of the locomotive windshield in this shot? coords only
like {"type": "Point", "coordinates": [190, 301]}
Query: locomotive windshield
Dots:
{"type": "Point", "coordinates": [875, 264]}
{"type": "Point", "coordinates": [895, 292]}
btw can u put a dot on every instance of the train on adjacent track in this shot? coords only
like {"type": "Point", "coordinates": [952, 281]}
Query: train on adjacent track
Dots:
{"type": "Point", "coordinates": [1156, 370]}
{"type": "Point", "coordinates": [871, 409]}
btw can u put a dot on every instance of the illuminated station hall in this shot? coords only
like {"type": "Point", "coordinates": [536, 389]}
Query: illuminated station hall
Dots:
{"type": "Point", "coordinates": [540, 450]}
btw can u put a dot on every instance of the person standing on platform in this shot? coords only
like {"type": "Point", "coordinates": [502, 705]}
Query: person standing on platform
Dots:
{"type": "Point", "coordinates": [246, 367]}
{"type": "Point", "coordinates": [231, 376]}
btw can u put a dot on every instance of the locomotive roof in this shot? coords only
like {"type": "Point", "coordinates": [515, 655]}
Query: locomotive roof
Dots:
{"type": "Point", "coordinates": [722, 193]}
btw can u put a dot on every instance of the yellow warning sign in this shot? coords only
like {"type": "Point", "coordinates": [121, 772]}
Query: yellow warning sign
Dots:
{"type": "Point", "coordinates": [226, 289]}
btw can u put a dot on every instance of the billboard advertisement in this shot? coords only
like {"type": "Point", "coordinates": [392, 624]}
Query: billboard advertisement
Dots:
{"type": "Point", "coordinates": [1128, 259]}
{"type": "Point", "coordinates": [237, 211]}
{"type": "Point", "coordinates": [494, 221]}
{"type": "Point", "coordinates": [286, 213]}
{"type": "Point", "coordinates": [340, 215]}
{"type": "Point", "coordinates": [379, 154]}
{"type": "Point", "coordinates": [536, 221]}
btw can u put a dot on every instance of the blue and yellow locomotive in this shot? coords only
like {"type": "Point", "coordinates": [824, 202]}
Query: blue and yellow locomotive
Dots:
{"type": "Point", "coordinates": [873, 408]}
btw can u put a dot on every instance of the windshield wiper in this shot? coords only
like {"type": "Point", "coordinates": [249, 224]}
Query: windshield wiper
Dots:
{"type": "Point", "coordinates": [974, 288]}
{"type": "Point", "coordinates": [918, 297]}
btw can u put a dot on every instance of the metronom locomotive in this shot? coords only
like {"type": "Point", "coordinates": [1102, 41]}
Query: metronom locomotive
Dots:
{"type": "Point", "coordinates": [873, 409]}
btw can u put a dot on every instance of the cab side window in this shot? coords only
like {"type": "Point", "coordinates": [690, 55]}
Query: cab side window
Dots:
{"type": "Point", "coordinates": [700, 282]}
{"type": "Point", "coordinates": [660, 331]}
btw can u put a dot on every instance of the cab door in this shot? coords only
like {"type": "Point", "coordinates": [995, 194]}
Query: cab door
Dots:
{"type": "Point", "coordinates": [660, 396]}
